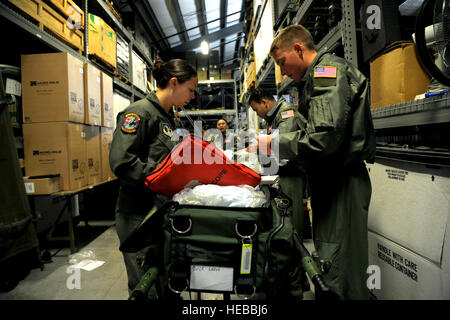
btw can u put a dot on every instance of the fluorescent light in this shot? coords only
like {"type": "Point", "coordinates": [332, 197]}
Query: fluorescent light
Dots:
{"type": "Point", "coordinates": [204, 46]}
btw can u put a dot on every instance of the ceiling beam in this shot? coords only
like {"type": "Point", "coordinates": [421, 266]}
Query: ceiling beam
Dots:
{"type": "Point", "coordinates": [150, 21]}
{"type": "Point", "coordinates": [201, 16]}
{"type": "Point", "coordinates": [177, 17]}
{"type": "Point", "coordinates": [223, 13]}
{"type": "Point", "coordinates": [221, 34]}
{"type": "Point", "coordinates": [238, 41]}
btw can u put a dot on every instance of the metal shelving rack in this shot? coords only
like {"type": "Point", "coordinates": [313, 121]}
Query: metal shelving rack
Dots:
{"type": "Point", "coordinates": [418, 112]}
{"type": "Point", "coordinates": [58, 45]}
{"type": "Point", "coordinates": [215, 112]}
{"type": "Point", "coordinates": [344, 33]}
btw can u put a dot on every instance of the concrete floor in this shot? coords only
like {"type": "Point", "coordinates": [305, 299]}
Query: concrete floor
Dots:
{"type": "Point", "coordinates": [107, 282]}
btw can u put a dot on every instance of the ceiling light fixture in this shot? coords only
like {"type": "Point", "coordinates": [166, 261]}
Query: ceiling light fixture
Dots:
{"type": "Point", "coordinates": [204, 46]}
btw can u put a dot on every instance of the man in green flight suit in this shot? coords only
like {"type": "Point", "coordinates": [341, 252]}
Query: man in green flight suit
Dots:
{"type": "Point", "coordinates": [338, 138]}
{"type": "Point", "coordinates": [283, 116]}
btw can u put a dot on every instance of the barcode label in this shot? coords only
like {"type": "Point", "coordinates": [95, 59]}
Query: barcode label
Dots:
{"type": "Point", "coordinates": [73, 97]}
{"type": "Point", "coordinates": [246, 258]}
{"type": "Point", "coordinates": [29, 187]}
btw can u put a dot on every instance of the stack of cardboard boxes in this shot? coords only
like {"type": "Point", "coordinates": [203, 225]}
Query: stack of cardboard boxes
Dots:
{"type": "Point", "coordinates": [68, 119]}
{"type": "Point", "coordinates": [396, 75]}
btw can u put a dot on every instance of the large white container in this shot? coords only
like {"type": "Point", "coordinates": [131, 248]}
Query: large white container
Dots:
{"type": "Point", "coordinates": [409, 229]}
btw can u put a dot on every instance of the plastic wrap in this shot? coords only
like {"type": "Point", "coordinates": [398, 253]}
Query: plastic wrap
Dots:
{"type": "Point", "coordinates": [222, 196]}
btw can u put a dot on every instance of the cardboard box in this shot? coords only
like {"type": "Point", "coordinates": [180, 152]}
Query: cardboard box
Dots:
{"type": "Point", "coordinates": [120, 103]}
{"type": "Point", "coordinates": [202, 74]}
{"type": "Point", "coordinates": [95, 35]}
{"type": "Point", "coordinates": [106, 138]}
{"type": "Point", "coordinates": [93, 157]}
{"type": "Point", "coordinates": [92, 95]}
{"type": "Point", "coordinates": [396, 76]}
{"type": "Point", "coordinates": [52, 88]}
{"type": "Point", "coordinates": [42, 184]}
{"type": "Point", "coordinates": [139, 72]}
{"type": "Point", "coordinates": [107, 101]}
{"type": "Point", "coordinates": [109, 43]}
{"type": "Point", "coordinates": [278, 77]}
{"type": "Point", "coordinates": [250, 74]}
{"type": "Point", "coordinates": [56, 148]}
{"type": "Point", "coordinates": [409, 233]}
{"type": "Point", "coordinates": [214, 73]}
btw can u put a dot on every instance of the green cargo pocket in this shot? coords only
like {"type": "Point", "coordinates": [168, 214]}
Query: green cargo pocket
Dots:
{"type": "Point", "coordinates": [320, 115]}
{"type": "Point", "coordinates": [221, 255]}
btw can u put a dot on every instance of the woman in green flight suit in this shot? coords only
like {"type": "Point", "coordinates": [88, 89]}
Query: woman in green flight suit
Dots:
{"type": "Point", "coordinates": [141, 140]}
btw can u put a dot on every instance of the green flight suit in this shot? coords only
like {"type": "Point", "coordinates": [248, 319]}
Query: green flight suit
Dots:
{"type": "Point", "coordinates": [292, 179]}
{"type": "Point", "coordinates": [285, 117]}
{"type": "Point", "coordinates": [141, 140]}
{"type": "Point", "coordinates": [339, 137]}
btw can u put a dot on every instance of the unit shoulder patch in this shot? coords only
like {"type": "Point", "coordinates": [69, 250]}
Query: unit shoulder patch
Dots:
{"type": "Point", "coordinates": [130, 123]}
{"type": "Point", "coordinates": [287, 114]}
{"type": "Point", "coordinates": [325, 72]}
{"type": "Point", "coordinates": [166, 129]}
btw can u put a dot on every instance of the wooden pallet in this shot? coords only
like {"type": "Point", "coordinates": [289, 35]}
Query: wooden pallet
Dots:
{"type": "Point", "coordinates": [102, 63]}
{"type": "Point", "coordinates": [69, 9]}
{"type": "Point", "coordinates": [50, 21]}
{"type": "Point", "coordinates": [122, 78]}
{"type": "Point", "coordinates": [114, 12]}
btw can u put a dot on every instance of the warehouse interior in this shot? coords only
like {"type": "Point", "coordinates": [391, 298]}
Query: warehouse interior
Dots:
{"type": "Point", "coordinates": [72, 67]}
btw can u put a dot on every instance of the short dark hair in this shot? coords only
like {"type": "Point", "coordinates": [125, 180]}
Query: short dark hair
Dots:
{"type": "Point", "coordinates": [257, 94]}
{"type": "Point", "coordinates": [286, 37]}
{"type": "Point", "coordinates": [163, 71]}
{"type": "Point", "coordinates": [223, 120]}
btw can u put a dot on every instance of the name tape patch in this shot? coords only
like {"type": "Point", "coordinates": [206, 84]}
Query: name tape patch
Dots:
{"type": "Point", "coordinates": [287, 114]}
{"type": "Point", "coordinates": [130, 123]}
{"type": "Point", "coordinates": [325, 72]}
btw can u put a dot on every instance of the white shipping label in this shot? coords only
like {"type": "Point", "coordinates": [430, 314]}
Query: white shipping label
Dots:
{"type": "Point", "coordinates": [81, 70]}
{"type": "Point", "coordinates": [29, 187]}
{"type": "Point", "coordinates": [211, 278]}
{"type": "Point", "coordinates": [13, 87]}
{"type": "Point", "coordinates": [98, 79]}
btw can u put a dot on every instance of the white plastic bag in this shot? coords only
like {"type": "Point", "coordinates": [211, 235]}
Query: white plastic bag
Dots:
{"type": "Point", "coordinates": [222, 196]}
{"type": "Point", "coordinates": [80, 256]}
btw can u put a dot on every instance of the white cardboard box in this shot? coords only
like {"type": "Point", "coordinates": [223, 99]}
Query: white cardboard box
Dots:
{"type": "Point", "coordinates": [409, 229]}
{"type": "Point", "coordinates": [139, 72]}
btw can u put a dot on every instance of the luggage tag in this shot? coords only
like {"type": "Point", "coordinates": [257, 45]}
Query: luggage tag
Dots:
{"type": "Point", "coordinates": [246, 257]}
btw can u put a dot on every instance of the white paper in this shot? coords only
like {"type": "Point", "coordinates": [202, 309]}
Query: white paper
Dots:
{"type": "Point", "coordinates": [88, 265]}
{"type": "Point", "coordinates": [211, 278]}
{"type": "Point", "coordinates": [269, 179]}
{"type": "Point", "coordinates": [29, 187]}
{"type": "Point", "coordinates": [13, 87]}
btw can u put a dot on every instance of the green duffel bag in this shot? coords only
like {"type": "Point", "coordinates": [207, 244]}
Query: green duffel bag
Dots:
{"type": "Point", "coordinates": [247, 251]}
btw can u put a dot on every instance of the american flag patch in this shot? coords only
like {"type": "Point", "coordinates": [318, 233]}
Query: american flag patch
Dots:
{"type": "Point", "coordinates": [287, 114]}
{"type": "Point", "coordinates": [326, 72]}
